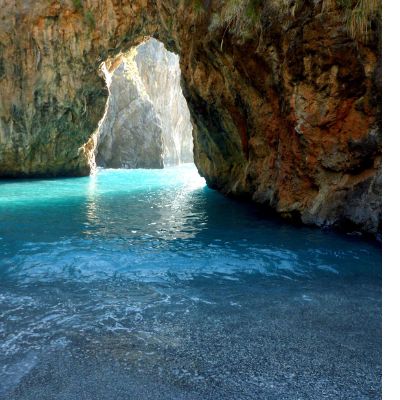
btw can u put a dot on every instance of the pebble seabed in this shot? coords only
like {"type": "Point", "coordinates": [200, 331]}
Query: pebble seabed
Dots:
{"type": "Point", "coordinates": [148, 285]}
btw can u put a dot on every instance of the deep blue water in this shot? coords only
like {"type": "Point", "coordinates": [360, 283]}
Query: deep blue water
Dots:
{"type": "Point", "coordinates": [146, 284]}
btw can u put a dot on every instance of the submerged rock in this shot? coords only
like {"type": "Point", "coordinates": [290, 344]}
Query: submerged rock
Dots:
{"type": "Point", "coordinates": [147, 121]}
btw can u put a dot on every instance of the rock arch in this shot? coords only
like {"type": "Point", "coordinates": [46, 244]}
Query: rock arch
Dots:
{"type": "Point", "coordinates": [147, 120]}
{"type": "Point", "coordinates": [289, 117]}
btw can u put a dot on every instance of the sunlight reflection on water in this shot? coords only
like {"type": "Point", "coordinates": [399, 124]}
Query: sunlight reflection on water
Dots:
{"type": "Point", "coordinates": [155, 271]}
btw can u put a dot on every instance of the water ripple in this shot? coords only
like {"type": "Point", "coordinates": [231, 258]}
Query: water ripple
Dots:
{"type": "Point", "coordinates": [162, 276]}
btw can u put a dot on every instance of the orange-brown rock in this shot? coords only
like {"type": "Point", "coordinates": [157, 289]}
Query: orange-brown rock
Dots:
{"type": "Point", "coordinates": [288, 116]}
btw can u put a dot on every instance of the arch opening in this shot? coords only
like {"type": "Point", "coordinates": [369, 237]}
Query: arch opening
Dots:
{"type": "Point", "coordinates": [146, 123]}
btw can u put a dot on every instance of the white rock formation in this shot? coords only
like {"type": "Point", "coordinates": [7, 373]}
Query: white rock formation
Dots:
{"type": "Point", "coordinates": [160, 73]}
{"type": "Point", "coordinates": [147, 121]}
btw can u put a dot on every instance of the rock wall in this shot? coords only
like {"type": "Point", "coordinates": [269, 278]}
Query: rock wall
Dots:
{"type": "Point", "coordinates": [286, 110]}
{"type": "Point", "coordinates": [130, 134]}
{"type": "Point", "coordinates": [147, 121]}
{"type": "Point", "coordinates": [160, 73]}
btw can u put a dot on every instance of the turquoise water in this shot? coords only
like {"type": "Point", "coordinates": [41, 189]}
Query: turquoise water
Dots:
{"type": "Point", "coordinates": [146, 284]}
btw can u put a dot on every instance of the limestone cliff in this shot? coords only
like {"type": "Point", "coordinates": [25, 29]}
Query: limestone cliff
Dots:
{"type": "Point", "coordinates": [284, 97]}
{"type": "Point", "coordinates": [130, 133]}
{"type": "Point", "coordinates": [161, 76]}
{"type": "Point", "coordinates": [147, 121]}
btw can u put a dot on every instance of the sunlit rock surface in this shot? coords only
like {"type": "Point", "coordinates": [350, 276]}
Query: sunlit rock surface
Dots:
{"type": "Point", "coordinates": [130, 134]}
{"type": "Point", "coordinates": [147, 122]}
{"type": "Point", "coordinates": [161, 76]}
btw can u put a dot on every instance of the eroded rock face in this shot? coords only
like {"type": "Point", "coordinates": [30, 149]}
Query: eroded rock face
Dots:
{"type": "Point", "coordinates": [147, 122]}
{"type": "Point", "coordinates": [130, 135]}
{"type": "Point", "coordinates": [160, 73]}
{"type": "Point", "coordinates": [288, 116]}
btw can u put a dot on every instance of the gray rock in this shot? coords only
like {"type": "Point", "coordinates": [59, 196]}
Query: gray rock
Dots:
{"type": "Point", "coordinates": [147, 121]}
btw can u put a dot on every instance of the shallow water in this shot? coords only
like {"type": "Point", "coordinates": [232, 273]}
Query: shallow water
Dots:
{"type": "Point", "coordinates": [146, 284]}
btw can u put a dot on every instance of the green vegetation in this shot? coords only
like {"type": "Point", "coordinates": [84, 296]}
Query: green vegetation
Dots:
{"type": "Point", "coordinates": [89, 19]}
{"type": "Point", "coordinates": [78, 5]}
{"type": "Point", "coordinates": [2, 68]}
{"type": "Point", "coordinates": [87, 15]}
{"type": "Point", "coordinates": [243, 17]}
{"type": "Point", "coordinates": [198, 6]}
{"type": "Point", "coordinates": [359, 17]}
